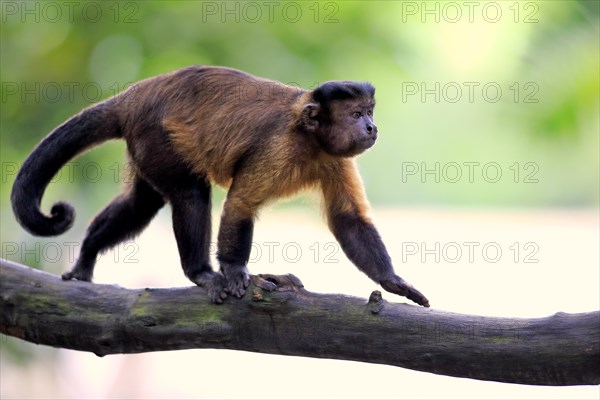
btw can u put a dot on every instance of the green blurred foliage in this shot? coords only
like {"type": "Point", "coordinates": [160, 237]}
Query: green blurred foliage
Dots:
{"type": "Point", "coordinates": [60, 57]}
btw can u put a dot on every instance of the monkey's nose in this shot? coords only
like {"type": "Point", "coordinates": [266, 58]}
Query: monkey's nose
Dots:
{"type": "Point", "coordinates": [371, 129]}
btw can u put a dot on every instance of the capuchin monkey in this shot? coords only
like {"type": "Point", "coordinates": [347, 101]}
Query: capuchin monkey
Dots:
{"type": "Point", "coordinates": [201, 125]}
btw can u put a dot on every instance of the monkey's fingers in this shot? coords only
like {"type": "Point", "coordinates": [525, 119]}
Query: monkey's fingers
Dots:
{"type": "Point", "coordinates": [417, 297]}
{"type": "Point", "coordinates": [217, 294]}
{"type": "Point", "coordinates": [214, 283]}
{"type": "Point", "coordinates": [399, 286]}
{"type": "Point", "coordinates": [238, 280]}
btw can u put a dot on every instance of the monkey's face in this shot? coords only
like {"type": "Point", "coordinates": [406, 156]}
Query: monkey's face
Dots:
{"type": "Point", "coordinates": [349, 129]}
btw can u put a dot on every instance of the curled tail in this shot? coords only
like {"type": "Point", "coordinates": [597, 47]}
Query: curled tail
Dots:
{"type": "Point", "coordinates": [90, 127]}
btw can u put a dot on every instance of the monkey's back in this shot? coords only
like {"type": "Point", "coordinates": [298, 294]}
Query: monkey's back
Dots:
{"type": "Point", "coordinates": [213, 117]}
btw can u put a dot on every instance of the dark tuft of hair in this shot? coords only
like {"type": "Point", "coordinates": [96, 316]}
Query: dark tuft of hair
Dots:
{"type": "Point", "coordinates": [342, 90]}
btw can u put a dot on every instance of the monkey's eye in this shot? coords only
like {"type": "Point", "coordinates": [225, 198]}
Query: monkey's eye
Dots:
{"type": "Point", "coordinates": [356, 114]}
{"type": "Point", "coordinates": [370, 113]}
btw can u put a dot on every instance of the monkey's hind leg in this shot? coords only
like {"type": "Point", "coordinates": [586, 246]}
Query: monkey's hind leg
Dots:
{"type": "Point", "coordinates": [126, 216]}
{"type": "Point", "coordinates": [191, 205]}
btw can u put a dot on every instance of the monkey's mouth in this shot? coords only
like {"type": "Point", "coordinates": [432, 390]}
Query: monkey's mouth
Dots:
{"type": "Point", "coordinates": [360, 146]}
{"type": "Point", "coordinates": [366, 143]}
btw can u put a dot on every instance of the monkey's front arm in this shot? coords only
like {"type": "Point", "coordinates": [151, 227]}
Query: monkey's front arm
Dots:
{"type": "Point", "coordinates": [363, 246]}
{"type": "Point", "coordinates": [347, 209]}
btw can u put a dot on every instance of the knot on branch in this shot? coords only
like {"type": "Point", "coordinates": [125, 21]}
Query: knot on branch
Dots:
{"type": "Point", "coordinates": [376, 302]}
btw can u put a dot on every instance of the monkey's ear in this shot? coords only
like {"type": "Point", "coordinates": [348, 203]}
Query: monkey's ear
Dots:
{"type": "Point", "coordinates": [309, 117]}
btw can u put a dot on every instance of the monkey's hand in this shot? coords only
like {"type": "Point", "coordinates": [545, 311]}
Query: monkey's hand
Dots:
{"type": "Point", "coordinates": [237, 277]}
{"type": "Point", "coordinates": [399, 286]}
{"type": "Point", "coordinates": [215, 283]}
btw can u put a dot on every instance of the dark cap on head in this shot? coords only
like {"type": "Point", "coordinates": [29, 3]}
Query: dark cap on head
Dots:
{"type": "Point", "coordinates": [342, 90]}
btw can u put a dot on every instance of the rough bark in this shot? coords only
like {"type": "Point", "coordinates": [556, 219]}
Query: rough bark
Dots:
{"type": "Point", "coordinates": [563, 349]}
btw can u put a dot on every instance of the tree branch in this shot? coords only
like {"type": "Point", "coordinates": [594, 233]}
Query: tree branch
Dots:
{"type": "Point", "coordinates": [563, 349]}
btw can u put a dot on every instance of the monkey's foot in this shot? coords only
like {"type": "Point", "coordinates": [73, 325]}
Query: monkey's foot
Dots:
{"type": "Point", "coordinates": [399, 286]}
{"type": "Point", "coordinates": [237, 277]}
{"type": "Point", "coordinates": [77, 274]}
{"type": "Point", "coordinates": [215, 283]}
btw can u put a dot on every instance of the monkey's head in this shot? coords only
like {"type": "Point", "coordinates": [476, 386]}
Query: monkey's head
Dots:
{"type": "Point", "coordinates": [340, 115]}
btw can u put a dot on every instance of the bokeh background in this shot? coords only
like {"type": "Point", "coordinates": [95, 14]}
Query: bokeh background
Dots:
{"type": "Point", "coordinates": [485, 180]}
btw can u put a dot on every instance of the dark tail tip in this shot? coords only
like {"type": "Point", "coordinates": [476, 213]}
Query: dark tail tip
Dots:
{"type": "Point", "coordinates": [60, 220]}
{"type": "Point", "coordinates": [62, 217]}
